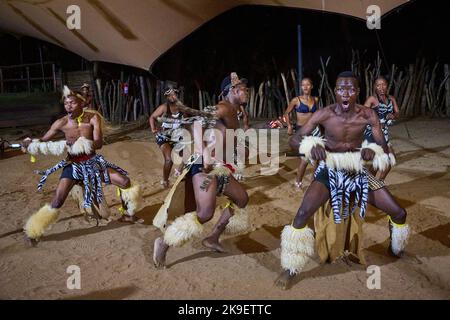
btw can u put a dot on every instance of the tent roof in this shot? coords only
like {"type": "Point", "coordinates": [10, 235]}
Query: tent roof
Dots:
{"type": "Point", "coordinates": [137, 32]}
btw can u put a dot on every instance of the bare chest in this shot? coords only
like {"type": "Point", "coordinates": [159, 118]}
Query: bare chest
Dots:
{"type": "Point", "coordinates": [344, 134]}
{"type": "Point", "coordinates": [73, 131]}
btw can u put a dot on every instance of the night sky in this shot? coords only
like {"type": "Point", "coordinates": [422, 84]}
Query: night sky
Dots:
{"type": "Point", "coordinates": [260, 42]}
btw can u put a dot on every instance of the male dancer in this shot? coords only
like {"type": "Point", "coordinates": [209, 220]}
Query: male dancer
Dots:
{"type": "Point", "coordinates": [341, 176]}
{"type": "Point", "coordinates": [208, 177]}
{"type": "Point", "coordinates": [86, 93]}
{"type": "Point", "coordinates": [83, 134]}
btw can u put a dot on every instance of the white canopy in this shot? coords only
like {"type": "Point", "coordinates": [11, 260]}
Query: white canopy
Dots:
{"type": "Point", "coordinates": [137, 32]}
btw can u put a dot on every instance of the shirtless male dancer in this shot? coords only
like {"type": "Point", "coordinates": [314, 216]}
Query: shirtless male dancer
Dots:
{"type": "Point", "coordinates": [83, 166]}
{"type": "Point", "coordinates": [209, 177]}
{"type": "Point", "coordinates": [341, 176]}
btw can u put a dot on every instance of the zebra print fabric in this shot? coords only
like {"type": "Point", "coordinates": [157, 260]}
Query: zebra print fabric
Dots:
{"type": "Point", "coordinates": [384, 129]}
{"type": "Point", "coordinates": [382, 110]}
{"type": "Point", "coordinates": [316, 132]}
{"type": "Point", "coordinates": [342, 184]}
{"type": "Point", "coordinates": [48, 172]}
{"type": "Point", "coordinates": [90, 173]}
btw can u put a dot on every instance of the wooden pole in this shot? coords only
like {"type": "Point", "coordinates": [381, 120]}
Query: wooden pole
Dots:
{"type": "Point", "coordinates": [96, 99]}
{"type": "Point", "coordinates": [251, 110]}
{"type": "Point", "coordinates": [150, 95]}
{"type": "Point", "coordinates": [200, 100]}
{"type": "Point", "coordinates": [42, 68]}
{"type": "Point", "coordinates": [98, 88]}
{"type": "Point", "coordinates": [439, 102]}
{"type": "Point", "coordinates": [158, 94]}
{"type": "Point", "coordinates": [296, 87]}
{"type": "Point", "coordinates": [300, 58]}
{"type": "Point", "coordinates": [60, 77]}
{"type": "Point", "coordinates": [54, 77]}
{"type": "Point", "coordinates": [286, 92]}
{"type": "Point", "coordinates": [447, 91]}
{"type": "Point", "coordinates": [110, 100]}
{"type": "Point", "coordinates": [391, 79]}
{"type": "Point", "coordinates": [144, 96]}
{"type": "Point", "coordinates": [120, 95]}
{"type": "Point", "coordinates": [261, 99]}
{"type": "Point", "coordinates": [113, 105]}
{"type": "Point", "coordinates": [135, 109]}
{"type": "Point", "coordinates": [406, 98]}
{"type": "Point", "coordinates": [107, 114]}
{"type": "Point", "coordinates": [1, 81]}
{"type": "Point", "coordinates": [28, 79]}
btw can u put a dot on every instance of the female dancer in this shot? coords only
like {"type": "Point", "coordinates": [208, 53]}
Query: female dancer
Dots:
{"type": "Point", "coordinates": [163, 135]}
{"type": "Point", "coordinates": [304, 105]}
{"type": "Point", "coordinates": [387, 109]}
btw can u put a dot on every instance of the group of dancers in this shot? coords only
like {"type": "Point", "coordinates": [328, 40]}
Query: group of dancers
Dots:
{"type": "Point", "coordinates": [347, 143]}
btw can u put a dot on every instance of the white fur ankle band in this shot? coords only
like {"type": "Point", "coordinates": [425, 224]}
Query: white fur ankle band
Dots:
{"type": "Point", "coordinates": [132, 199]}
{"type": "Point", "coordinates": [40, 221]}
{"type": "Point", "coordinates": [399, 237]}
{"type": "Point", "coordinates": [297, 247]}
{"type": "Point", "coordinates": [239, 222]}
{"type": "Point", "coordinates": [182, 230]}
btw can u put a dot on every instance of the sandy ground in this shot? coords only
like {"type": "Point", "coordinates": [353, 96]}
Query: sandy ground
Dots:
{"type": "Point", "coordinates": [115, 259]}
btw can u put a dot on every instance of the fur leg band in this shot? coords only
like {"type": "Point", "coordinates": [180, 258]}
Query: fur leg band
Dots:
{"type": "Point", "coordinates": [297, 247]}
{"type": "Point", "coordinates": [39, 222]}
{"type": "Point", "coordinates": [182, 230]}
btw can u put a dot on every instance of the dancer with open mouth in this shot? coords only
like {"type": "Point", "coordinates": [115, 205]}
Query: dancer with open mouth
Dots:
{"type": "Point", "coordinates": [341, 176]}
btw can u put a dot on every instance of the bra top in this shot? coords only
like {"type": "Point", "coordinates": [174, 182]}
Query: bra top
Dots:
{"type": "Point", "coordinates": [177, 115]}
{"type": "Point", "coordinates": [303, 108]}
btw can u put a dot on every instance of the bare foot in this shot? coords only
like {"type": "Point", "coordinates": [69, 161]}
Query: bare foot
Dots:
{"type": "Point", "coordinates": [284, 280]}
{"type": "Point", "coordinates": [103, 210]}
{"type": "Point", "coordinates": [159, 253]}
{"type": "Point", "coordinates": [177, 172]}
{"type": "Point", "coordinates": [165, 183]}
{"type": "Point", "coordinates": [212, 244]}
{"type": "Point", "coordinates": [409, 258]}
{"type": "Point", "coordinates": [131, 219]}
{"type": "Point", "coordinates": [30, 242]}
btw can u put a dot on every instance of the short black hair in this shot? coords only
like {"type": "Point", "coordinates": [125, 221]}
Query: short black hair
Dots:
{"type": "Point", "coordinates": [381, 78]}
{"type": "Point", "coordinates": [308, 79]}
{"type": "Point", "coordinates": [347, 74]}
